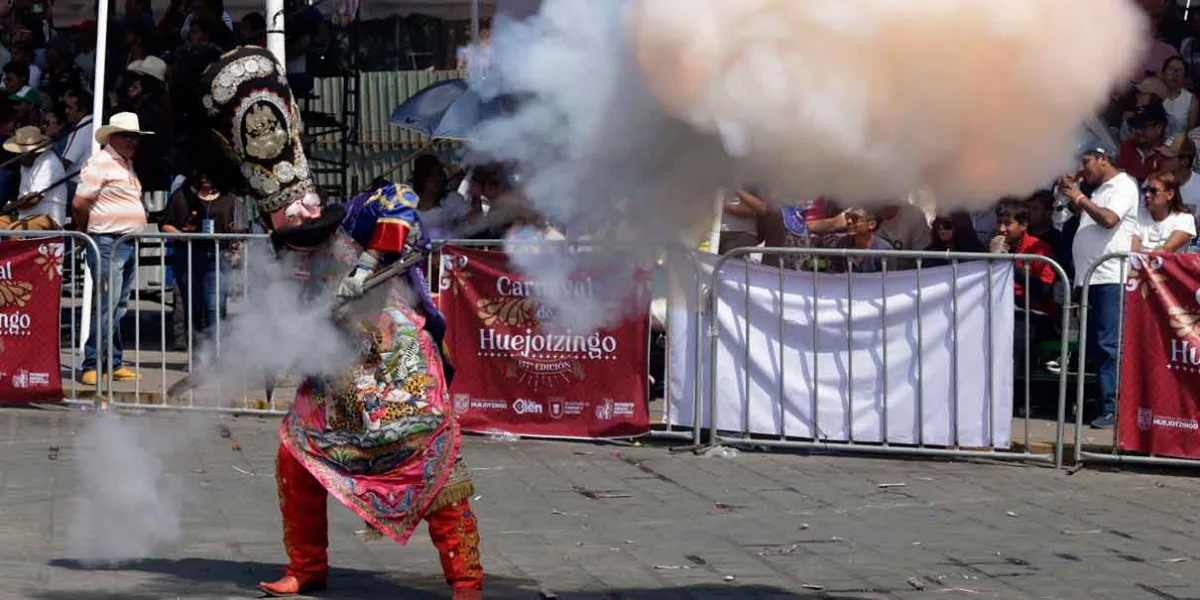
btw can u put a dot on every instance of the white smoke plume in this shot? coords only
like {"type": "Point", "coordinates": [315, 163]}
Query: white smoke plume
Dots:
{"type": "Point", "coordinates": [276, 330]}
{"type": "Point", "coordinates": [636, 111]}
{"type": "Point", "coordinates": [131, 472]}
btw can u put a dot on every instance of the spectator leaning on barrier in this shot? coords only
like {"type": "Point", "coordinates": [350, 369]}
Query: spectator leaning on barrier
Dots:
{"type": "Point", "coordinates": [42, 198]}
{"type": "Point", "coordinates": [1166, 224]}
{"type": "Point", "coordinates": [1108, 220]}
{"type": "Point", "coordinates": [1013, 218]}
{"type": "Point", "coordinates": [199, 207]}
{"type": "Point", "coordinates": [1013, 237]}
{"type": "Point", "coordinates": [862, 233]}
{"type": "Point", "coordinates": [953, 233]}
{"type": "Point", "coordinates": [108, 205]}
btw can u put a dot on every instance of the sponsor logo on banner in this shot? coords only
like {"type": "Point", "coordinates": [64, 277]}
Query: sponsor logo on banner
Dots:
{"type": "Point", "coordinates": [24, 380]}
{"type": "Point", "coordinates": [462, 403]}
{"type": "Point", "coordinates": [522, 406]}
{"type": "Point", "coordinates": [556, 408]}
{"type": "Point", "coordinates": [611, 409]}
{"type": "Point", "coordinates": [488, 405]}
{"type": "Point", "coordinates": [1145, 419]}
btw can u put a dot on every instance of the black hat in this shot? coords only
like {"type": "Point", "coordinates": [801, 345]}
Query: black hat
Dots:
{"type": "Point", "coordinates": [1148, 115]}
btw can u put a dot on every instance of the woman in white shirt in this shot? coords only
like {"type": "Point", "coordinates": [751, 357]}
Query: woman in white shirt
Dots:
{"type": "Point", "coordinates": [1165, 224]}
{"type": "Point", "coordinates": [1181, 105]}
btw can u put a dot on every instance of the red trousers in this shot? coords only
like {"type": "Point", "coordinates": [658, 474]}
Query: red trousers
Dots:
{"type": "Point", "coordinates": [452, 528]}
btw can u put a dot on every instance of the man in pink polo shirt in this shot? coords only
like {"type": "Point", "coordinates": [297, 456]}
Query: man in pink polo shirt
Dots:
{"type": "Point", "coordinates": [108, 205]}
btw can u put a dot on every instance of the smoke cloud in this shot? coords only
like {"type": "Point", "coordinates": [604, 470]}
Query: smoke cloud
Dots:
{"type": "Point", "coordinates": [279, 328]}
{"type": "Point", "coordinates": [132, 470]}
{"type": "Point", "coordinates": [635, 112]}
{"type": "Point", "coordinates": [131, 499]}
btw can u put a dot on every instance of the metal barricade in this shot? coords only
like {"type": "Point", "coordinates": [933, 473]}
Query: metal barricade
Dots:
{"type": "Point", "coordinates": [153, 394]}
{"type": "Point", "coordinates": [1114, 455]}
{"type": "Point", "coordinates": [711, 297]}
{"type": "Point", "coordinates": [83, 306]}
{"type": "Point", "coordinates": [166, 366]}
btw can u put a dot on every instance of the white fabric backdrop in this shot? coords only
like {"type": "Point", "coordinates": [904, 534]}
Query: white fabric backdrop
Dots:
{"type": "Point", "coordinates": [849, 374]}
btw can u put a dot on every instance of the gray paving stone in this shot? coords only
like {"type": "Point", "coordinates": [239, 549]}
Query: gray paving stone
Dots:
{"type": "Point", "coordinates": [762, 525]}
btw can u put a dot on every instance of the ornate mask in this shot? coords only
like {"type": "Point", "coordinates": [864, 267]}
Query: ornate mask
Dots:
{"type": "Point", "coordinates": [254, 119]}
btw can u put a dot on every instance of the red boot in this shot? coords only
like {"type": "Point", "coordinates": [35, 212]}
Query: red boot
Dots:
{"type": "Point", "coordinates": [305, 529]}
{"type": "Point", "coordinates": [291, 586]}
{"type": "Point", "coordinates": [467, 594]}
{"type": "Point", "coordinates": [455, 534]}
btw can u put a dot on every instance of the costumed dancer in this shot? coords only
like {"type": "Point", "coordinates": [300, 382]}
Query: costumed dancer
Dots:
{"type": "Point", "coordinates": [382, 438]}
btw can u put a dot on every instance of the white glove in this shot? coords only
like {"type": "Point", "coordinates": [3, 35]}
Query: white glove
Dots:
{"type": "Point", "coordinates": [353, 285]}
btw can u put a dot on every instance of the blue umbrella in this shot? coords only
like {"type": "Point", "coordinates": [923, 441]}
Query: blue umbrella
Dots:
{"type": "Point", "coordinates": [423, 111]}
{"type": "Point", "coordinates": [447, 110]}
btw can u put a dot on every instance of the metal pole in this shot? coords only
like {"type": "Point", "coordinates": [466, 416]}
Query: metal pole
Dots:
{"type": "Point", "coordinates": [98, 87]}
{"type": "Point", "coordinates": [475, 21]}
{"type": "Point", "coordinates": [276, 42]}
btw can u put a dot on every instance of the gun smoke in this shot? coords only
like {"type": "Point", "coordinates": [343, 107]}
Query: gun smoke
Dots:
{"type": "Point", "coordinates": [634, 113]}
{"type": "Point", "coordinates": [132, 471]}
{"type": "Point", "coordinates": [132, 491]}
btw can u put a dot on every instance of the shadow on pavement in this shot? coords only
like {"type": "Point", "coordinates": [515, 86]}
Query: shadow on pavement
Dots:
{"type": "Point", "coordinates": [194, 578]}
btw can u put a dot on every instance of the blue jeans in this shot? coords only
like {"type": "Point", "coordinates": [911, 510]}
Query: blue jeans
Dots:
{"type": "Point", "coordinates": [1104, 327]}
{"type": "Point", "coordinates": [202, 297]}
{"type": "Point", "coordinates": [110, 325]}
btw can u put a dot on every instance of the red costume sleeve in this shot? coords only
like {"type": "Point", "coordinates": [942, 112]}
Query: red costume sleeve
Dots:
{"type": "Point", "coordinates": [389, 236]}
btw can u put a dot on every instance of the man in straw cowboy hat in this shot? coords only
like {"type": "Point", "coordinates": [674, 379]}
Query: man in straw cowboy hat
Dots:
{"type": "Point", "coordinates": [42, 198]}
{"type": "Point", "coordinates": [108, 205]}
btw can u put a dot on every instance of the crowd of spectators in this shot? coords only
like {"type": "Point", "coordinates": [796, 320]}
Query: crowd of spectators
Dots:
{"type": "Point", "coordinates": [49, 178]}
{"type": "Point", "coordinates": [1136, 190]}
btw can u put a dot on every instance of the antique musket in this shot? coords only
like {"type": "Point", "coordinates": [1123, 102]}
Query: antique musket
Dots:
{"type": "Point", "coordinates": [199, 378]}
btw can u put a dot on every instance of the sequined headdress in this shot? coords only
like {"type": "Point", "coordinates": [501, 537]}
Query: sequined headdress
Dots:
{"type": "Point", "coordinates": [254, 119]}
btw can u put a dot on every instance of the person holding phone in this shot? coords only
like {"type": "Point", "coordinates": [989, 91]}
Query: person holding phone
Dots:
{"type": "Point", "coordinates": [199, 207]}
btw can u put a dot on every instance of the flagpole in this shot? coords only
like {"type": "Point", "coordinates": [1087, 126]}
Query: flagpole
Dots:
{"type": "Point", "coordinates": [99, 90]}
{"type": "Point", "coordinates": [276, 40]}
{"type": "Point", "coordinates": [475, 20]}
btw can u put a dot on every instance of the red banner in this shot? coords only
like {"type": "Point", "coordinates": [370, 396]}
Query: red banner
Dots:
{"type": "Point", "coordinates": [1160, 371]}
{"type": "Point", "coordinates": [513, 373]}
{"type": "Point", "coordinates": [30, 292]}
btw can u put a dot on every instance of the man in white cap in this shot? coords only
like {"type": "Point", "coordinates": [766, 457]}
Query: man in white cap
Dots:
{"type": "Point", "coordinates": [42, 199]}
{"type": "Point", "coordinates": [108, 205]}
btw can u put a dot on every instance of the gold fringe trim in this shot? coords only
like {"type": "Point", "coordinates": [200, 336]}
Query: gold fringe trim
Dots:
{"type": "Point", "coordinates": [453, 492]}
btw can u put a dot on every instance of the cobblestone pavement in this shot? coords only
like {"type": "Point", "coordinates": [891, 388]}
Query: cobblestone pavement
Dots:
{"type": "Point", "coordinates": [573, 520]}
